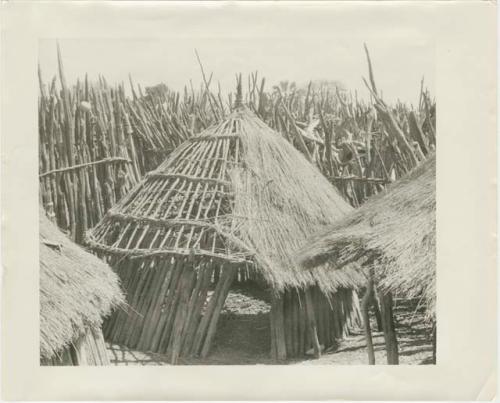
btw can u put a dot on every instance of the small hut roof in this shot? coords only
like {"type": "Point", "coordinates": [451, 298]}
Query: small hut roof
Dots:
{"type": "Point", "coordinates": [237, 192]}
{"type": "Point", "coordinates": [394, 232]}
{"type": "Point", "coordinates": [76, 290]}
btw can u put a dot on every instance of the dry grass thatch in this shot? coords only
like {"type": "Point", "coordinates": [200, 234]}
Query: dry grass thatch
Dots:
{"type": "Point", "coordinates": [76, 290]}
{"type": "Point", "coordinates": [237, 192]}
{"type": "Point", "coordinates": [395, 233]}
{"type": "Point", "coordinates": [283, 199]}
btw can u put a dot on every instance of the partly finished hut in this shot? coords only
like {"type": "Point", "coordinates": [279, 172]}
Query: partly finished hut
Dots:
{"type": "Point", "coordinates": [76, 291]}
{"type": "Point", "coordinates": [393, 235]}
{"type": "Point", "coordinates": [234, 202]}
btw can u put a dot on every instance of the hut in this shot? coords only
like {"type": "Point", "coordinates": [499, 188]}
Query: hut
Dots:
{"type": "Point", "coordinates": [76, 291]}
{"type": "Point", "coordinates": [393, 235]}
{"type": "Point", "coordinates": [230, 204]}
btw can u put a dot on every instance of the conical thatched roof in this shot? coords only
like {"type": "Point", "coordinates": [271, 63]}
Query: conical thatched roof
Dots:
{"type": "Point", "coordinates": [76, 290]}
{"type": "Point", "coordinates": [237, 192]}
{"type": "Point", "coordinates": [395, 232]}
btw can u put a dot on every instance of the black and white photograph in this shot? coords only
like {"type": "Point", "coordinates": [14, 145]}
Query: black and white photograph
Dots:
{"type": "Point", "coordinates": [248, 200]}
{"type": "Point", "coordinates": [225, 202]}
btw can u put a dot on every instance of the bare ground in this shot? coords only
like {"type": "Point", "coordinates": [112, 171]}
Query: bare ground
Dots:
{"type": "Point", "coordinates": [242, 338]}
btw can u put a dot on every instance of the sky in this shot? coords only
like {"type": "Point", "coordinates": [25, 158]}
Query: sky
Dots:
{"type": "Point", "coordinates": [399, 63]}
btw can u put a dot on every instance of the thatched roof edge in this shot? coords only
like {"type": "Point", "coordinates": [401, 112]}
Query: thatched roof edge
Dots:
{"type": "Point", "coordinates": [77, 290]}
{"type": "Point", "coordinates": [394, 232]}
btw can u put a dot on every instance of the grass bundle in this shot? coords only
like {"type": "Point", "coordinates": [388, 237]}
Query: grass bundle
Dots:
{"type": "Point", "coordinates": [77, 290]}
{"type": "Point", "coordinates": [280, 200]}
{"type": "Point", "coordinates": [377, 235]}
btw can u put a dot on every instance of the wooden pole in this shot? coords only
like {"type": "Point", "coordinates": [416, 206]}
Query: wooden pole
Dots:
{"type": "Point", "coordinates": [155, 312]}
{"type": "Point", "coordinates": [206, 276]}
{"type": "Point", "coordinates": [376, 308]}
{"type": "Point", "coordinates": [185, 288]}
{"type": "Point", "coordinates": [434, 331]}
{"type": "Point", "coordinates": [274, 349]}
{"type": "Point", "coordinates": [295, 319]}
{"type": "Point", "coordinates": [287, 316]}
{"type": "Point", "coordinates": [366, 321]}
{"type": "Point", "coordinates": [226, 277]}
{"type": "Point", "coordinates": [311, 323]}
{"type": "Point", "coordinates": [279, 326]}
{"type": "Point", "coordinates": [391, 342]}
{"type": "Point", "coordinates": [301, 324]}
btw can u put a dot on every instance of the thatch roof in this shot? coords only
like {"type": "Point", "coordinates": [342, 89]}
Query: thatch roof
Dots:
{"type": "Point", "coordinates": [238, 192]}
{"type": "Point", "coordinates": [395, 232]}
{"type": "Point", "coordinates": [76, 290]}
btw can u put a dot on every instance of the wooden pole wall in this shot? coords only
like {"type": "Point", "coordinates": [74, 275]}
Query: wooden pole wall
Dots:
{"type": "Point", "coordinates": [175, 304]}
{"type": "Point", "coordinates": [169, 309]}
{"type": "Point", "coordinates": [306, 322]}
{"type": "Point", "coordinates": [88, 350]}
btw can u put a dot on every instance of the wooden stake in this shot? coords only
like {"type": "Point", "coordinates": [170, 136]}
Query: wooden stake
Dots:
{"type": "Point", "coordinates": [287, 322]}
{"type": "Point", "coordinates": [295, 319]}
{"type": "Point", "coordinates": [376, 308]}
{"type": "Point", "coordinates": [279, 332]}
{"type": "Point", "coordinates": [227, 278]}
{"type": "Point", "coordinates": [391, 342]}
{"type": "Point", "coordinates": [155, 311]}
{"type": "Point", "coordinates": [274, 349]}
{"type": "Point", "coordinates": [434, 339]}
{"type": "Point", "coordinates": [311, 323]}
{"type": "Point", "coordinates": [198, 300]}
{"type": "Point", "coordinates": [160, 331]}
{"type": "Point", "coordinates": [366, 321]}
{"type": "Point", "coordinates": [301, 323]}
{"type": "Point", "coordinates": [185, 289]}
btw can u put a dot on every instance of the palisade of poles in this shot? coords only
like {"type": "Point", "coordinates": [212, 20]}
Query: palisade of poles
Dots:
{"type": "Point", "coordinates": [88, 349]}
{"type": "Point", "coordinates": [181, 323]}
{"type": "Point", "coordinates": [96, 142]}
{"type": "Point", "coordinates": [308, 322]}
{"type": "Point", "coordinates": [360, 146]}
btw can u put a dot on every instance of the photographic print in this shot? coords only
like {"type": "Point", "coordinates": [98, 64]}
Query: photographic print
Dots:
{"type": "Point", "coordinates": [237, 201]}
{"type": "Point", "coordinates": [248, 200]}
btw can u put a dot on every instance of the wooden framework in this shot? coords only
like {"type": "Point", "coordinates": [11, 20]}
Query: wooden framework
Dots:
{"type": "Point", "coordinates": [88, 349]}
{"type": "Point", "coordinates": [307, 320]}
{"type": "Point", "coordinates": [178, 235]}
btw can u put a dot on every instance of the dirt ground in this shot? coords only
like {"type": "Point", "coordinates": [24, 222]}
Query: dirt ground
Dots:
{"type": "Point", "coordinates": [242, 338]}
